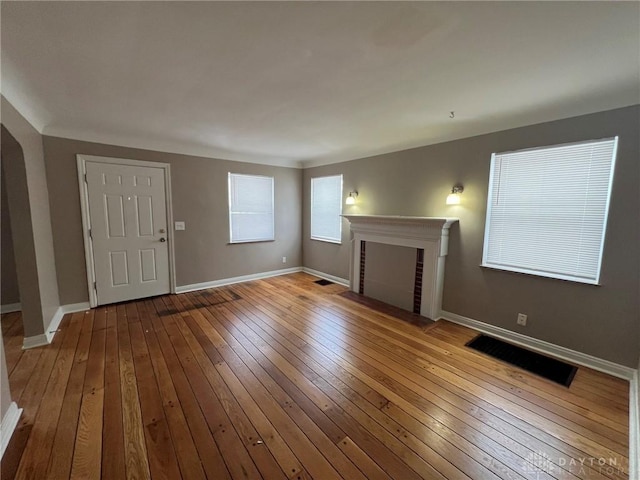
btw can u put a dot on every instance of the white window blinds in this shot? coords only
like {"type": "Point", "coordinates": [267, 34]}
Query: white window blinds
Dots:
{"type": "Point", "coordinates": [326, 208]}
{"type": "Point", "coordinates": [547, 210]}
{"type": "Point", "coordinates": [250, 208]}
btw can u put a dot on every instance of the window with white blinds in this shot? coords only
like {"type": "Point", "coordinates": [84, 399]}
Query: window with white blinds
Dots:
{"type": "Point", "coordinates": [547, 210]}
{"type": "Point", "coordinates": [326, 208]}
{"type": "Point", "coordinates": [250, 208]}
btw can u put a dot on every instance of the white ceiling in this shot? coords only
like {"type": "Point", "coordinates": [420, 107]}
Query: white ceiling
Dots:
{"type": "Point", "coordinates": [307, 83]}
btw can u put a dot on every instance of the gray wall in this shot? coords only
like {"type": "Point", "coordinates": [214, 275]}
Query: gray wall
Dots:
{"type": "Point", "coordinates": [200, 198]}
{"type": "Point", "coordinates": [9, 292]}
{"type": "Point", "coordinates": [599, 320]}
{"type": "Point", "coordinates": [28, 196]}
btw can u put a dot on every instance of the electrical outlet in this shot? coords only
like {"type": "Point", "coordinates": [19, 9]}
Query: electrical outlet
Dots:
{"type": "Point", "coordinates": [522, 319]}
{"type": "Point", "coordinates": [284, 259]}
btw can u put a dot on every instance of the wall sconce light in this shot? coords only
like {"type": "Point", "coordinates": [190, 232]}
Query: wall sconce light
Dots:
{"type": "Point", "coordinates": [454, 197]}
{"type": "Point", "coordinates": [351, 199]}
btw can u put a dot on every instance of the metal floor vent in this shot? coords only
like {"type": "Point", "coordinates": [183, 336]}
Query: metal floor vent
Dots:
{"type": "Point", "coordinates": [549, 368]}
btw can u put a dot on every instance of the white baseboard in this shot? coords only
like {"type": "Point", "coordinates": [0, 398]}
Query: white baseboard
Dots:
{"type": "Point", "coordinates": [9, 424]}
{"type": "Point", "coordinates": [35, 341]}
{"type": "Point", "coordinates": [47, 337]}
{"type": "Point", "coordinates": [326, 276]}
{"type": "Point", "coordinates": [10, 307]}
{"type": "Point", "coordinates": [634, 427]}
{"type": "Point", "coordinates": [51, 330]}
{"type": "Point", "coordinates": [541, 346]}
{"type": "Point", "coordinates": [75, 307]}
{"type": "Point", "coordinates": [229, 281]}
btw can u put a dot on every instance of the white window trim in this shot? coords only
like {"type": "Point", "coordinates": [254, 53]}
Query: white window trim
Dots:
{"type": "Point", "coordinates": [541, 273]}
{"type": "Point", "coordinates": [273, 207]}
{"type": "Point", "coordinates": [327, 239]}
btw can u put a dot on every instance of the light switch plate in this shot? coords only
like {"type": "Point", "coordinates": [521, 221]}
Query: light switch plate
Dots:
{"type": "Point", "coordinates": [179, 225]}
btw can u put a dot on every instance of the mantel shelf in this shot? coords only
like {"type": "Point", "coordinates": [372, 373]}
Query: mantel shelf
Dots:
{"type": "Point", "coordinates": [442, 222]}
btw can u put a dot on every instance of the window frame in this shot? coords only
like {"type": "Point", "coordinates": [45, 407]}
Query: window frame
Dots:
{"type": "Point", "coordinates": [542, 273]}
{"type": "Point", "coordinates": [337, 241]}
{"type": "Point", "coordinates": [232, 214]}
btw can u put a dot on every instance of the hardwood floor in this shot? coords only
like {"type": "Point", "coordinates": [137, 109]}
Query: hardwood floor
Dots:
{"type": "Point", "coordinates": [286, 379]}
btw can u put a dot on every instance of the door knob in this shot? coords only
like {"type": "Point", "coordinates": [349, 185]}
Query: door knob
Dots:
{"type": "Point", "coordinates": [163, 239]}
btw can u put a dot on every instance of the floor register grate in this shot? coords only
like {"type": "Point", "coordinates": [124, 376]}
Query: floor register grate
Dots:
{"type": "Point", "coordinates": [549, 368]}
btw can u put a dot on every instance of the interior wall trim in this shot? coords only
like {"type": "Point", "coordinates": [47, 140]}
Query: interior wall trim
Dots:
{"type": "Point", "coordinates": [47, 337]}
{"type": "Point", "coordinates": [9, 424]}
{"type": "Point", "coordinates": [34, 341]}
{"type": "Point", "coordinates": [634, 427]}
{"type": "Point", "coordinates": [547, 348]}
{"type": "Point", "coordinates": [10, 307]}
{"type": "Point", "coordinates": [229, 281]}
{"type": "Point", "coordinates": [326, 276]}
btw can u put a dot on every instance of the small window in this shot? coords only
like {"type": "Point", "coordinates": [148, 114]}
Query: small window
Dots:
{"type": "Point", "coordinates": [250, 208]}
{"type": "Point", "coordinates": [326, 208]}
{"type": "Point", "coordinates": [547, 210]}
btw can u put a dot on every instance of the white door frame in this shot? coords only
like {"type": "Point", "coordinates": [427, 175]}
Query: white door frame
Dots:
{"type": "Point", "coordinates": [86, 221]}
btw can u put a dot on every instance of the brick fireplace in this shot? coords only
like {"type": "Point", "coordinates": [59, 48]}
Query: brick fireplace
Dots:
{"type": "Point", "coordinates": [429, 236]}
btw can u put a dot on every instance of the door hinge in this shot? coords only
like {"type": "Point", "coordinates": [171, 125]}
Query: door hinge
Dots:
{"type": "Point", "coordinates": [95, 286]}
{"type": "Point", "coordinates": [85, 178]}
{"type": "Point", "coordinates": [90, 234]}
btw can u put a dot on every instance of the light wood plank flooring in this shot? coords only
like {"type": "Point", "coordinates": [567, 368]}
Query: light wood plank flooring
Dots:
{"type": "Point", "coordinates": [286, 379]}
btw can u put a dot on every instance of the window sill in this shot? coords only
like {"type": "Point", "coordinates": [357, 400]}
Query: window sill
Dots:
{"type": "Point", "coordinates": [534, 273]}
{"type": "Point", "coordinates": [326, 240]}
{"type": "Point", "coordinates": [240, 242]}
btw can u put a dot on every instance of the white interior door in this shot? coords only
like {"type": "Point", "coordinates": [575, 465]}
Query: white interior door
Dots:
{"type": "Point", "coordinates": [128, 226]}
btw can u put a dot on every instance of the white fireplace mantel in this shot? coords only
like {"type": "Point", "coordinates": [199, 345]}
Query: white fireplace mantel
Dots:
{"type": "Point", "coordinates": [428, 233]}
